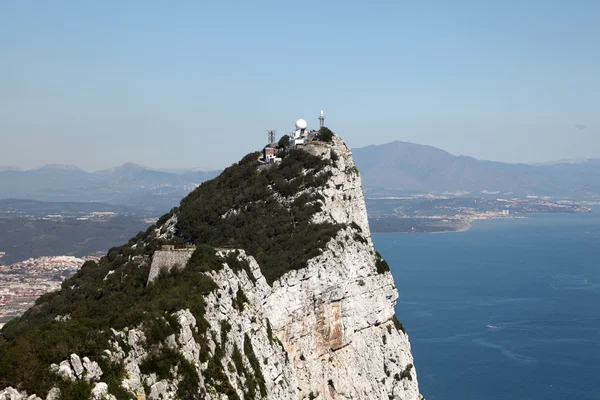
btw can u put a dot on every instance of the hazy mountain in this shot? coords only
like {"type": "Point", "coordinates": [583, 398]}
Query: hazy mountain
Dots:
{"type": "Point", "coordinates": [407, 167]}
{"type": "Point", "coordinates": [129, 184]}
{"type": "Point", "coordinates": [396, 167]}
{"type": "Point", "coordinates": [4, 168]}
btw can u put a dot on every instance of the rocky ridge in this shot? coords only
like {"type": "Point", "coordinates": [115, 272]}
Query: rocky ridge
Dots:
{"type": "Point", "coordinates": [325, 331]}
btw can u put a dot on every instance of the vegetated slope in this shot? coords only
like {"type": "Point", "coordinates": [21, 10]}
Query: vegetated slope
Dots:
{"type": "Point", "coordinates": [261, 224]}
{"type": "Point", "coordinates": [314, 318]}
{"type": "Point", "coordinates": [279, 234]}
{"type": "Point", "coordinates": [407, 167]}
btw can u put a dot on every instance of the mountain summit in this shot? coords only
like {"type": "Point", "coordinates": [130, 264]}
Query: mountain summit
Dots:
{"type": "Point", "coordinates": [264, 283]}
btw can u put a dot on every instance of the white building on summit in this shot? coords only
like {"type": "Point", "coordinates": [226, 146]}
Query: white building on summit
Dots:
{"type": "Point", "coordinates": [299, 135]}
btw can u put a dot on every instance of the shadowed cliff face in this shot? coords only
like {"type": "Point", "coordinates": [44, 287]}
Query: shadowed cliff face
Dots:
{"type": "Point", "coordinates": [294, 308]}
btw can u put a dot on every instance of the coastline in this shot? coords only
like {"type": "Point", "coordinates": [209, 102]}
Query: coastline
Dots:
{"type": "Point", "coordinates": [464, 227]}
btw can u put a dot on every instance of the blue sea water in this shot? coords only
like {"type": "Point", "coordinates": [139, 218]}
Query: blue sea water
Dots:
{"type": "Point", "coordinates": [506, 310]}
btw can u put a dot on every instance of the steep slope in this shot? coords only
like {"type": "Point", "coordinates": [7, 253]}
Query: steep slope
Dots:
{"type": "Point", "coordinates": [410, 167]}
{"type": "Point", "coordinates": [282, 297]}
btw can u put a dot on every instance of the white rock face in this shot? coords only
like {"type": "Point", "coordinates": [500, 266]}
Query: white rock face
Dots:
{"type": "Point", "coordinates": [92, 370]}
{"type": "Point", "coordinates": [100, 392]}
{"type": "Point", "coordinates": [324, 332]}
{"type": "Point", "coordinates": [77, 365]}
{"type": "Point", "coordinates": [13, 394]}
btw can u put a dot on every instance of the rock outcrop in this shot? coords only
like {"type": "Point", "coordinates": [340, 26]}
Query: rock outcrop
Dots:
{"type": "Point", "coordinates": [325, 331]}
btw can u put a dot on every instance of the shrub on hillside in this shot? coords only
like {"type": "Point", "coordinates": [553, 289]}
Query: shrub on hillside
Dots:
{"type": "Point", "coordinates": [325, 134]}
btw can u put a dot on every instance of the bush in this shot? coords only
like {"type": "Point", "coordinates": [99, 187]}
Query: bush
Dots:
{"type": "Point", "coordinates": [284, 142]}
{"type": "Point", "coordinates": [240, 299]}
{"type": "Point", "coordinates": [325, 134]}
{"type": "Point", "coordinates": [204, 259]}
{"type": "Point", "coordinates": [249, 351]}
{"type": "Point", "coordinates": [381, 265]}
{"type": "Point", "coordinates": [406, 373]}
{"type": "Point", "coordinates": [398, 324]}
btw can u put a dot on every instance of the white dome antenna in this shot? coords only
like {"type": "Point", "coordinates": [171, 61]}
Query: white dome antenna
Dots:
{"type": "Point", "coordinates": [301, 124]}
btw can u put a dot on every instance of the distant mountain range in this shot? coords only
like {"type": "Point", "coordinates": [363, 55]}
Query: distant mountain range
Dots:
{"type": "Point", "coordinates": [130, 184]}
{"type": "Point", "coordinates": [392, 168]}
{"type": "Point", "coordinates": [401, 167]}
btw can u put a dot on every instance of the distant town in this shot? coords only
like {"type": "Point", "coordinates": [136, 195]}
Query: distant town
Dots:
{"type": "Point", "coordinates": [432, 213]}
{"type": "Point", "coordinates": [23, 282]}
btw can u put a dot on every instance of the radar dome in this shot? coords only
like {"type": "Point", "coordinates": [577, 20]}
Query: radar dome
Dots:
{"type": "Point", "coordinates": [301, 124]}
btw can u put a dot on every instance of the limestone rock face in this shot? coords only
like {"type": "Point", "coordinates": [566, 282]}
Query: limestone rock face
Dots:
{"type": "Point", "coordinates": [326, 331]}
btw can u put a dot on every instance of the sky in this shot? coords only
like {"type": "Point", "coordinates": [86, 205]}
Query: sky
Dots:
{"type": "Point", "coordinates": [197, 84]}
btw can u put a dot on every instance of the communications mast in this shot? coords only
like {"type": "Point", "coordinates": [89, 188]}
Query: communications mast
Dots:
{"type": "Point", "coordinates": [271, 133]}
{"type": "Point", "coordinates": [321, 120]}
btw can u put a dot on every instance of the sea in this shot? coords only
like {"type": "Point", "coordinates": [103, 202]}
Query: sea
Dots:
{"type": "Point", "coordinates": [509, 309]}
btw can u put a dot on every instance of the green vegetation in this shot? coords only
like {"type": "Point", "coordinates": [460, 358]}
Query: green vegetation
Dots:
{"type": "Point", "coordinates": [269, 331]}
{"type": "Point", "coordinates": [398, 324]}
{"type": "Point", "coordinates": [240, 299]}
{"type": "Point", "coordinates": [161, 221]}
{"type": "Point", "coordinates": [284, 142]}
{"type": "Point", "coordinates": [352, 170]}
{"type": "Point", "coordinates": [215, 375]}
{"type": "Point", "coordinates": [239, 209]}
{"type": "Point", "coordinates": [406, 372]}
{"type": "Point", "coordinates": [281, 237]}
{"type": "Point", "coordinates": [325, 134]}
{"type": "Point", "coordinates": [334, 157]}
{"type": "Point", "coordinates": [237, 264]}
{"type": "Point", "coordinates": [360, 238]}
{"type": "Point", "coordinates": [381, 264]}
{"type": "Point", "coordinates": [258, 377]}
{"type": "Point", "coordinates": [204, 259]}
{"type": "Point", "coordinates": [28, 345]}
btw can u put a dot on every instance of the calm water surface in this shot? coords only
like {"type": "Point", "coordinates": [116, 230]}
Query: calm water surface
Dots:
{"type": "Point", "coordinates": [507, 310]}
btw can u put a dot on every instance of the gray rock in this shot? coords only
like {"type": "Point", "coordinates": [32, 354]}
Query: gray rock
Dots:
{"type": "Point", "coordinates": [65, 371]}
{"type": "Point", "coordinates": [11, 394]}
{"type": "Point", "coordinates": [100, 392]}
{"type": "Point", "coordinates": [53, 394]}
{"type": "Point", "coordinates": [77, 366]}
{"type": "Point", "coordinates": [159, 391]}
{"type": "Point", "coordinates": [93, 372]}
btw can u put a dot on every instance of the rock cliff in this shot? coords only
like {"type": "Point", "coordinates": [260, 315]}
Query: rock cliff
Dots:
{"type": "Point", "coordinates": [251, 323]}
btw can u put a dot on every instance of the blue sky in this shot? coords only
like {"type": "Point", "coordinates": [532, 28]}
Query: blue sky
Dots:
{"type": "Point", "coordinates": [196, 84]}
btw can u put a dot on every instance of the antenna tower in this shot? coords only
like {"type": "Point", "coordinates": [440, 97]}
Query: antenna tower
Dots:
{"type": "Point", "coordinates": [321, 120]}
{"type": "Point", "coordinates": [271, 133]}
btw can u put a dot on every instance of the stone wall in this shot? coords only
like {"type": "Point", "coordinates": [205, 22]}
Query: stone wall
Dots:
{"type": "Point", "coordinates": [168, 259]}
